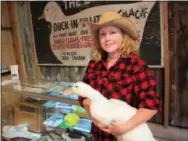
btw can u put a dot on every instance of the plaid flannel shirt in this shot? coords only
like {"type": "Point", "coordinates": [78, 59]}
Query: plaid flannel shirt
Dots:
{"type": "Point", "coordinates": [129, 80]}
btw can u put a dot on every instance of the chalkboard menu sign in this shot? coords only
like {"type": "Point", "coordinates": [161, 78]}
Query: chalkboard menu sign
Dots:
{"type": "Point", "coordinates": [62, 36]}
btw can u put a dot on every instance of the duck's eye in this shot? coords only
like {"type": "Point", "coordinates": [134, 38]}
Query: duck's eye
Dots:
{"type": "Point", "coordinates": [76, 86]}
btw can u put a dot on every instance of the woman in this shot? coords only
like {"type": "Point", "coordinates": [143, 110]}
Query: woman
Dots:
{"type": "Point", "coordinates": [117, 72]}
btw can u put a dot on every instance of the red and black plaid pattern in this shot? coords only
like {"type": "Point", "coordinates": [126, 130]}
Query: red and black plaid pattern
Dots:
{"type": "Point", "coordinates": [129, 79]}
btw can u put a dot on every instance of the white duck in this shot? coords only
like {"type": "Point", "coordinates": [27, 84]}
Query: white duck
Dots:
{"type": "Point", "coordinates": [101, 109]}
{"type": "Point", "coordinates": [52, 13]}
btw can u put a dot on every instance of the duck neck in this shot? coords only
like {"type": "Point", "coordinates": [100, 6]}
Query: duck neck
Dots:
{"type": "Point", "coordinates": [96, 97]}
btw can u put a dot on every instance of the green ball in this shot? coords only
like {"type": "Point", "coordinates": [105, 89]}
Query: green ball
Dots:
{"type": "Point", "coordinates": [71, 119]}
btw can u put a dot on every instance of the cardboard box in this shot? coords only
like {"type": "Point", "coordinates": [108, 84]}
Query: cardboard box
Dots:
{"type": "Point", "coordinates": [31, 114]}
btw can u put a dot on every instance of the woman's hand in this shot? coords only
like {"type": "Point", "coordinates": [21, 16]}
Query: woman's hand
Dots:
{"type": "Point", "coordinates": [117, 128]}
{"type": "Point", "coordinates": [103, 128]}
{"type": "Point", "coordinates": [86, 103]}
{"type": "Point", "coordinates": [142, 116]}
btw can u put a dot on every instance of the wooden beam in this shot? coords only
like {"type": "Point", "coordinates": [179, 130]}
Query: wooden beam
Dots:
{"type": "Point", "coordinates": [164, 15]}
{"type": "Point", "coordinates": [17, 40]}
{"type": "Point", "coordinates": [27, 42]}
{"type": "Point", "coordinates": [5, 19]}
{"type": "Point", "coordinates": [176, 65]}
{"type": "Point", "coordinates": [7, 46]}
{"type": "Point", "coordinates": [36, 66]}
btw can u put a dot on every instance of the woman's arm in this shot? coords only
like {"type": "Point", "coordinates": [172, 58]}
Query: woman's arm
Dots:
{"type": "Point", "coordinates": [142, 116]}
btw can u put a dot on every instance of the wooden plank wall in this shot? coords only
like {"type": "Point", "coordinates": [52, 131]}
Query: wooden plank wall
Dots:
{"type": "Point", "coordinates": [177, 108]}
{"type": "Point", "coordinates": [178, 43]}
{"type": "Point", "coordinates": [9, 101]}
{"type": "Point", "coordinates": [7, 47]}
{"type": "Point", "coordinates": [23, 38]}
{"type": "Point", "coordinates": [26, 38]}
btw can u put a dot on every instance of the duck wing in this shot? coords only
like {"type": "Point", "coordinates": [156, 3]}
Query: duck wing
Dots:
{"type": "Point", "coordinates": [102, 112]}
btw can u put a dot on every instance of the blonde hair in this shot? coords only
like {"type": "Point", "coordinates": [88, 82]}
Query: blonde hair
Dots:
{"type": "Point", "coordinates": [127, 49]}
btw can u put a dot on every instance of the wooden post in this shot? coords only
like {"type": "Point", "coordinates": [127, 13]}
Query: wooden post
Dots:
{"type": "Point", "coordinates": [17, 40]}
{"type": "Point", "coordinates": [175, 51]}
{"type": "Point", "coordinates": [164, 10]}
{"type": "Point", "coordinates": [7, 44]}
{"type": "Point", "coordinates": [24, 41]}
{"type": "Point", "coordinates": [36, 66]}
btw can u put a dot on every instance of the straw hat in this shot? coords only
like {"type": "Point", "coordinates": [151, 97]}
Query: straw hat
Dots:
{"type": "Point", "coordinates": [113, 18]}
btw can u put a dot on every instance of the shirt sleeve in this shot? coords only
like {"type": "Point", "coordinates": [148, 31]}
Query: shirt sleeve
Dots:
{"type": "Point", "coordinates": [145, 89]}
{"type": "Point", "coordinates": [85, 80]}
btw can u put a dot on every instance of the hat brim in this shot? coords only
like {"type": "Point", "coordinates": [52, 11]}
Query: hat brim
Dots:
{"type": "Point", "coordinates": [123, 23]}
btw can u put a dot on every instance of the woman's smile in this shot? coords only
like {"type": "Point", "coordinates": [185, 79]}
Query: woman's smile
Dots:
{"type": "Point", "coordinates": [109, 44]}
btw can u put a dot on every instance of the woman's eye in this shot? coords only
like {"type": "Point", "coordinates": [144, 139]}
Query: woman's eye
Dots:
{"type": "Point", "coordinates": [113, 32]}
{"type": "Point", "coordinates": [101, 34]}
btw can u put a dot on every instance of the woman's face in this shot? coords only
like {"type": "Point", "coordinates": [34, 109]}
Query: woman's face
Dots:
{"type": "Point", "coordinates": [110, 38]}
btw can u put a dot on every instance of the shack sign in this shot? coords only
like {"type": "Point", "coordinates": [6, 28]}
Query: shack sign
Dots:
{"type": "Point", "coordinates": [62, 36]}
